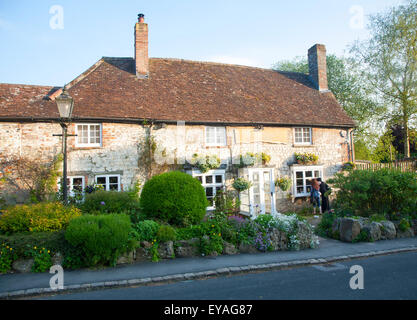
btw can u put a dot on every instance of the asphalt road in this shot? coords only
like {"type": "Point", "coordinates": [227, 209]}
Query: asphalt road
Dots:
{"type": "Point", "coordinates": [385, 277]}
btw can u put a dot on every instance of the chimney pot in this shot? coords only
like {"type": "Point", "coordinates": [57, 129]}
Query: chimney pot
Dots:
{"type": "Point", "coordinates": [317, 66]}
{"type": "Point", "coordinates": [141, 18]}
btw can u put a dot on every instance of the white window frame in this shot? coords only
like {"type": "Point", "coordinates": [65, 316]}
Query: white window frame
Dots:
{"type": "Point", "coordinates": [215, 143]}
{"type": "Point", "coordinates": [303, 143]}
{"type": "Point", "coordinates": [108, 176]}
{"type": "Point", "coordinates": [303, 169]}
{"type": "Point", "coordinates": [214, 185]}
{"type": "Point", "coordinates": [71, 184]}
{"type": "Point", "coordinates": [77, 144]}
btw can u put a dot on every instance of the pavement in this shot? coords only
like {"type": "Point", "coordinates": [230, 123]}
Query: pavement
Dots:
{"type": "Point", "coordinates": [145, 273]}
{"type": "Point", "coordinates": [384, 277]}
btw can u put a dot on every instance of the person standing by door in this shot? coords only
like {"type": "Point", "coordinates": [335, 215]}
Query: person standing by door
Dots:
{"type": "Point", "coordinates": [325, 191]}
{"type": "Point", "coordinates": [315, 195]}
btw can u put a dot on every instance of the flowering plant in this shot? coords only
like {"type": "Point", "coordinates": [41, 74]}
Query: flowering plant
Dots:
{"type": "Point", "coordinates": [42, 259]}
{"type": "Point", "coordinates": [263, 241]}
{"type": "Point", "coordinates": [7, 256]}
{"type": "Point", "coordinates": [306, 158]}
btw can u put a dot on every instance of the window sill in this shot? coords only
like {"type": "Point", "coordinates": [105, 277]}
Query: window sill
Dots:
{"type": "Point", "coordinates": [87, 147]}
{"type": "Point", "coordinates": [216, 147]}
{"type": "Point", "coordinates": [303, 145]}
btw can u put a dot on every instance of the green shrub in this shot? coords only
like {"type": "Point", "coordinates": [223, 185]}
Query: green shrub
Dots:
{"type": "Point", "coordinates": [100, 239]}
{"type": "Point", "coordinates": [175, 198]}
{"type": "Point", "coordinates": [23, 243]}
{"type": "Point", "coordinates": [166, 233]}
{"type": "Point", "coordinates": [404, 225]}
{"type": "Point", "coordinates": [324, 228]}
{"type": "Point", "coordinates": [7, 256]}
{"type": "Point", "coordinates": [146, 230]}
{"type": "Point", "coordinates": [386, 191]}
{"type": "Point", "coordinates": [363, 236]}
{"type": "Point", "coordinates": [41, 217]}
{"type": "Point", "coordinates": [42, 260]}
{"type": "Point", "coordinates": [105, 202]}
{"type": "Point", "coordinates": [226, 202]}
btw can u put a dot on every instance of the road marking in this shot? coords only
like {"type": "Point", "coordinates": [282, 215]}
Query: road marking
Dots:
{"type": "Point", "coordinates": [330, 267]}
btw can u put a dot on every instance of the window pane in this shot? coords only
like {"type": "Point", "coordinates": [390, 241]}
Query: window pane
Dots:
{"type": "Point", "coordinates": [209, 179]}
{"type": "Point", "coordinates": [300, 189]}
{"type": "Point", "coordinates": [221, 136]}
{"type": "Point", "coordinates": [114, 179]}
{"type": "Point", "coordinates": [209, 192]}
{"type": "Point", "coordinates": [299, 174]}
{"type": "Point", "coordinates": [317, 174]}
{"type": "Point", "coordinates": [309, 174]}
{"type": "Point", "coordinates": [210, 135]}
{"type": "Point", "coordinates": [300, 182]}
{"type": "Point", "coordinates": [101, 180]}
{"type": "Point", "coordinates": [199, 178]}
{"type": "Point", "coordinates": [114, 187]}
{"type": "Point", "coordinates": [219, 179]}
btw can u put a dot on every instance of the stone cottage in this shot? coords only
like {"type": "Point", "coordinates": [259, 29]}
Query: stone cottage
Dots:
{"type": "Point", "coordinates": [135, 117]}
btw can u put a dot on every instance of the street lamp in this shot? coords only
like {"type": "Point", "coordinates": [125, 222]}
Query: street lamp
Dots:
{"type": "Point", "coordinates": [65, 105]}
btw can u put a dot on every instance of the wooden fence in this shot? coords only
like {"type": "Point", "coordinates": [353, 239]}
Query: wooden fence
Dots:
{"type": "Point", "coordinates": [403, 165]}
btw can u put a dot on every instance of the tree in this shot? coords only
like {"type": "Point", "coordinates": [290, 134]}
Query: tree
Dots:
{"type": "Point", "coordinates": [384, 150]}
{"type": "Point", "coordinates": [362, 151]}
{"type": "Point", "coordinates": [399, 139]}
{"type": "Point", "coordinates": [345, 82]}
{"type": "Point", "coordinates": [389, 59]}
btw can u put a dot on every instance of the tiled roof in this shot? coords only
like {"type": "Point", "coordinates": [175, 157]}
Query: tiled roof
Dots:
{"type": "Point", "coordinates": [199, 92]}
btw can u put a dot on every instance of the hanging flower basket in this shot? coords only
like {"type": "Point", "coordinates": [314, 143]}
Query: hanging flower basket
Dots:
{"type": "Point", "coordinates": [283, 183]}
{"type": "Point", "coordinates": [241, 184]}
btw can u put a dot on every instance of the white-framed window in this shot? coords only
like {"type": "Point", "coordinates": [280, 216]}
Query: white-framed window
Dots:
{"type": "Point", "coordinates": [302, 136]}
{"type": "Point", "coordinates": [74, 183]}
{"type": "Point", "coordinates": [109, 182]}
{"type": "Point", "coordinates": [215, 136]}
{"type": "Point", "coordinates": [302, 176]}
{"type": "Point", "coordinates": [212, 181]}
{"type": "Point", "coordinates": [88, 134]}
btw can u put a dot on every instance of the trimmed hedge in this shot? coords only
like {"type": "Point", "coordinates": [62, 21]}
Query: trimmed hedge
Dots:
{"type": "Point", "coordinates": [99, 239]}
{"type": "Point", "coordinates": [105, 202]}
{"type": "Point", "coordinates": [41, 217]}
{"type": "Point", "coordinates": [175, 198]}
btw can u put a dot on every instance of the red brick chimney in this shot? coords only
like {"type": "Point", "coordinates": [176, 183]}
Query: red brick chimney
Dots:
{"type": "Point", "coordinates": [141, 48]}
{"type": "Point", "coordinates": [317, 66]}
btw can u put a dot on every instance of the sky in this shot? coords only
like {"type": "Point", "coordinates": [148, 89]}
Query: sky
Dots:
{"type": "Point", "coordinates": [51, 42]}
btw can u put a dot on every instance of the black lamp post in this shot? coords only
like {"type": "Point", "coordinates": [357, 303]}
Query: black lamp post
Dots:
{"type": "Point", "coordinates": [65, 105]}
